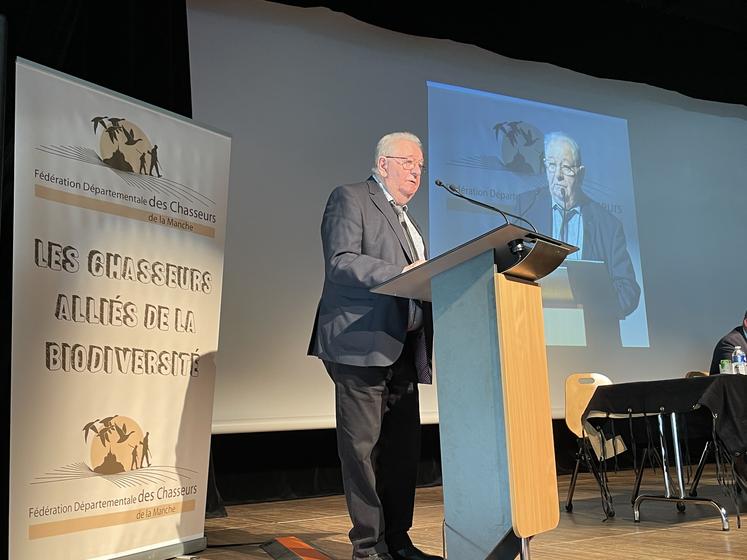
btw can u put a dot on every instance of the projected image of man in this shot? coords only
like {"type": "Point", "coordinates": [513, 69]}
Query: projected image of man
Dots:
{"type": "Point", "coordinates": [562, 209]}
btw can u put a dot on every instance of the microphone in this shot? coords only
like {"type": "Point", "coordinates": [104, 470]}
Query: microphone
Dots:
{"type": "Point", "coordinates": [452, 189]}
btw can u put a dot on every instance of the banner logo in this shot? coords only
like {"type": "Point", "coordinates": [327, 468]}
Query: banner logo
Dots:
{"type": "Point", "coordinates": [119, 451]}
{"type": "Point", "coordinates": [151, 195]}
{"type": "Point", "coordinates": [124, 146]}
{"type": "Point", "coordinates": [520, 149]}
{"type": "Point", "coordinates": [114, 436]}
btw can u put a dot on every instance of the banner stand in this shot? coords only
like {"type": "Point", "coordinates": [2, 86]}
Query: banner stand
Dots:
{"type": "Point", "coordinates": [119, 232]}
{"type": "Point", "coordinates": [171, 551]}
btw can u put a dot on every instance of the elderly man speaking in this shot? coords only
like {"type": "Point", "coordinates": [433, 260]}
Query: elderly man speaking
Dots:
{"type": "Point", "coordinates": [562, 209]}
{"type": "Point", "coordinates": [376, 348]}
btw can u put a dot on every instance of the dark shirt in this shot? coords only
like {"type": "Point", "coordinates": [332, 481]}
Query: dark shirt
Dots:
{"type": "Point", "coordinates": [725, 347]}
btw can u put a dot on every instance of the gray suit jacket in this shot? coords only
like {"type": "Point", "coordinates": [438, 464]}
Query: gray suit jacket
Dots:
{"type": "Point", "coordinates": [364, 245]}
{"type": "Point", "coordinates": [604, 240]}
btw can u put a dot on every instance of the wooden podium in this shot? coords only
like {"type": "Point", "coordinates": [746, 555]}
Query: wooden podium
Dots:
{"type": "Point", "coordinates": [497, 454]}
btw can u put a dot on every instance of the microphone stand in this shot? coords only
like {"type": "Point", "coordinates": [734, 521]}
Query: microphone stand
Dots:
{"type": "Point", "coordinates": [452, 189]}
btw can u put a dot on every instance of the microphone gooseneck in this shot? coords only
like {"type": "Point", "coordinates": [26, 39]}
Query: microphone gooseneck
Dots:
{"type": "Point", "coordinates": [454, 190]}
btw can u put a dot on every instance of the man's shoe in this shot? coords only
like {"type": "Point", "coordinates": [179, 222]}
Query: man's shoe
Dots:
{"type": "Point", "coordinates": [374, 556]}
{"type": "Point", "coordinates": [412, 553]}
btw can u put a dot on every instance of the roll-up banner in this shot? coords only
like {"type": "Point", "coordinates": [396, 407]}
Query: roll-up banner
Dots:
{"type": "Point", "coordinates": [119, 228]}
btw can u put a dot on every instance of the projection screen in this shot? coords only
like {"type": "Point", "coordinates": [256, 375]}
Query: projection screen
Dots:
{"type": "Point", "coordinates": [306, 93]}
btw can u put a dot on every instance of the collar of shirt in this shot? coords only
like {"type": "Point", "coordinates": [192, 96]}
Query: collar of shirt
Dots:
{"type": "Point", "coordinates": [559, 208]}
{"type": "Point", "coordinates": [414, 233]}
{"type": "Point", "coordinates": [388, 196]}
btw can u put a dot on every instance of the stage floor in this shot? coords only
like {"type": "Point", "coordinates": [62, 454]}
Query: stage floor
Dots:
{"type": "Point", "coordinates": [663, 532]}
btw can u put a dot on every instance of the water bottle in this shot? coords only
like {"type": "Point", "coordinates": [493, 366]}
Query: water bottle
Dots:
{"type": "Point", "coordinates": [739, 361]}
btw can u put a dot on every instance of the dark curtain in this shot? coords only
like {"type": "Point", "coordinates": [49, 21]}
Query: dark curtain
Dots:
{"type": "Point", "coordinates": [693, 47]}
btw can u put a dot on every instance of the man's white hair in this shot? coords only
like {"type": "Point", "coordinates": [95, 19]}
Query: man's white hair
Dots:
{"type": "Point", "coordinates": [384, 146]}
{"type": "Point", "coordinates": [551, 137]}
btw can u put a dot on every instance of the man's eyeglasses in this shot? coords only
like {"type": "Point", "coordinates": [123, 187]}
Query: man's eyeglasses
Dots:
{"type": "Point", "coordinates": [565, 169]}
{"type": "Point", "coordinates": [408, 164]}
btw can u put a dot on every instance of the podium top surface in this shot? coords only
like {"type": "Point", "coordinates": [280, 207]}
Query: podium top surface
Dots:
{"type": "Point", "coordinates": [416, 282]}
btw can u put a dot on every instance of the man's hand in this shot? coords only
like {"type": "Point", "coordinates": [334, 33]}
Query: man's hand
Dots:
{"type": "Point", "coordinates": [413, 265]}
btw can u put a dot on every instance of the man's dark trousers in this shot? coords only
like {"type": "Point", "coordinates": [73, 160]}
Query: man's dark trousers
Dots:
{"type": "Point", "coordinates": [378, 441]}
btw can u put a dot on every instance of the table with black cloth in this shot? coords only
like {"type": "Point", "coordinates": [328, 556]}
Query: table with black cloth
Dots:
{"type": "Point", "coordinates": [716, 404]}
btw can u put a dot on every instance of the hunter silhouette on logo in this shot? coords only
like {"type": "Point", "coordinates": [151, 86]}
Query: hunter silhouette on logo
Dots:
{"type": "Point", "coordinates": [154, 161]}
{"type": "Point", "coordinates": [142, 164]}
{"type": "Point", "coordinates": [133, 465]}
{"type": "Point", "coordinates": [118, 143]}
{"type": "Point", "coordinates": [145, 455]}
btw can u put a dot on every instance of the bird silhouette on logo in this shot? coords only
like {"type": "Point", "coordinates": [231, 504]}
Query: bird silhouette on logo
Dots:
{"type": "Point", "coordinates": [103, 436]}
{"type": "Point", "coordinates": [98, 121]}
{"type": "Point", "coordinates": [90, 427]}
{"type": "Point", "coordinates": [529, 137]}
{"type": "Point", "coordinates": [131, 140]}
{"type": "Point", "coordinates": [509, 129]}
{"type": "Point", "coordinates": [112, 132]}
{"type": "Point", "coordinates": [107, 422]}
{"type": "Point", "coordinates": [123, 435]}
